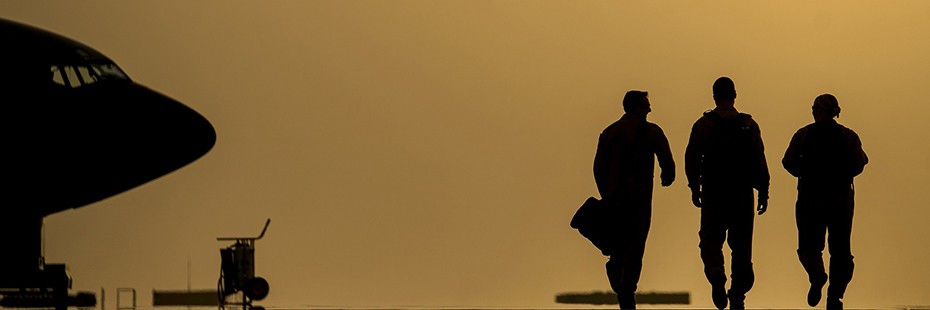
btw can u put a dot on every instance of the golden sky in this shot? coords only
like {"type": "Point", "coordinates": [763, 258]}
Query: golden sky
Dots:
{"type": "Point", "coordinates": [432, 152]}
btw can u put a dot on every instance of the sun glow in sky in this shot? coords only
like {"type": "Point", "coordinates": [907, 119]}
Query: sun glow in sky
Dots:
{"type": "Point", "coordinates": [432, 152]}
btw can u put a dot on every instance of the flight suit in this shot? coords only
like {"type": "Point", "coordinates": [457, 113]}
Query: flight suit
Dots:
{"type": "Point", "coordinates": [825, 157]}
{"type": "Point", "coordinates": [623, 170]}
{"type": "Point", "coordinates": [725, 161]}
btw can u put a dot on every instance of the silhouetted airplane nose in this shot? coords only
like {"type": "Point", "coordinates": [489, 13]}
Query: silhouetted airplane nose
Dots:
{"type": "Point", "coordinates": [89, 143]}
{"type": "Point", "coordinates": [74, 129]}
{"type": "Point", "coordinates": [141, 127]}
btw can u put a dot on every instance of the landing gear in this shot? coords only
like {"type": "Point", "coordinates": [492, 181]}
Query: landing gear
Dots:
{"type": "Point", "coordinates": [237, 272]}
{"type": "Point", "coordinates": [46, 287]}
{"type": "Point", "coordinates": [26, 281]}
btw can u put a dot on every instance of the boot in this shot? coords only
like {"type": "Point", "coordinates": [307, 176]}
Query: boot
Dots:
{"type": "Point", "coordinates": [834, 303]}
{"type": "Point", "coordinates": [627, 300]}
{"type": "Point", "coordinates": [737, 301]}
{"type": "Point", "coordinates": [816, 291]}
{"type": "Point", "coordinates": [719, 294]}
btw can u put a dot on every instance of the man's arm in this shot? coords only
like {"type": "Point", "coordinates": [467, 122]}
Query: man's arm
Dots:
{"type": "Point", "coordinates": [792, 159]}
{"type": "Point", "coordinates": [664, 155]}
{"type": "Point", "coordinates": [694, 154]}
{"type": "Point", "coordinates": [859, 157]}
{"type": "Point", "coordinates": [761, 182]}
{"type": "Point", "coordinates": [601, 164]}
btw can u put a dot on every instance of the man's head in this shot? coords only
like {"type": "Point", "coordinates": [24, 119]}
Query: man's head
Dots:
{"type": "Point", "coordinates": [825, 107]}
{"type": "Point", "coordinates": [724, 90]}
{"type": "Point", "coordinates": [636, 102]}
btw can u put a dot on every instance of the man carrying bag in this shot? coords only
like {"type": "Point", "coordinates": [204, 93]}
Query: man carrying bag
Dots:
{"type": "Point", "coordinates": [623, 170]}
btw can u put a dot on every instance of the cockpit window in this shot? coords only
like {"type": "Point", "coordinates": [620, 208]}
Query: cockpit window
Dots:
{"type": "Point", "coordinates": [75, 76]}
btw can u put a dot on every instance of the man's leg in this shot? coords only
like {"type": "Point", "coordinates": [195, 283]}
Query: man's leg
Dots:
{"type": "Point", "coordinates": [741, 216]}
{"type": "Point", "coordinates": [623, 271]}
{"type": "Point", "coordinates": [629, 264]}
{"type": "Point", "coordinates": [615, 274]}
{"type": "Point", "coordinates": [713, 234]}
{"type": "Point", "coordinates": [841, 259]}
{"type": "Point", "coordinates": [811, 231]}
{"type": "Point", "coordinates": [615, 265]}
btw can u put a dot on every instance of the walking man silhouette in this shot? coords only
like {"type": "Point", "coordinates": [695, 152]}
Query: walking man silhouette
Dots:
{"type": "Point", "coordinates": [623, 170]}
{"type": "Point", "coordinates": [825, 157]}
{"type": "Point", "coordinates": [724, 161]}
